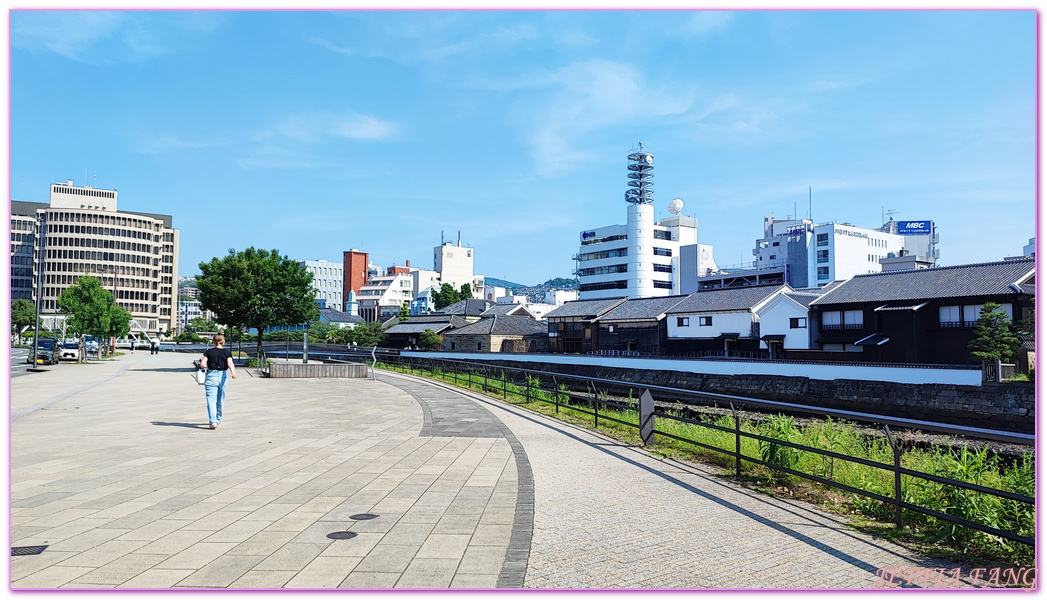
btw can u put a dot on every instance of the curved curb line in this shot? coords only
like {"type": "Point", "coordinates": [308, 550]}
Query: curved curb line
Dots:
{"type": "Point", "coordinates": [514, 567]}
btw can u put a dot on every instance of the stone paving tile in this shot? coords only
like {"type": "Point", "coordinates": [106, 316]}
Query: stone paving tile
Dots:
{"type": "Point", "coordinates": [154, 530]}
{"type": "Point", "coordinates": [324, 572]}
{"type": "Point", "coordinates": [87, 540]}
{"type": "Point", "coordinates": [196, 556]}
{"type": "Point", "coordinates": [101, 554]}
{"type": "Point", "coordinates": [388, 558]}
{"type": "Point", "coordinates": [370, 580]}
{"type": "Point", "coordinates": [120, 570]}
{"type": "Point", "coordinates": [483, 581]}
{"type": "Point", "coordinates": [444, 546]}
{"type": "Point", "coordinates": [174, 542]}
{"type": "Point", "coordinates": [23, 566]}
{"type": "Point", "coordinates": [157, 578]}
{"type": "Point", "coordinates": [221, 572]}
{"type": "Point", "coordinates": [291, 556]}
{"type": "Point", "coordinates": [263, 579]}
{"type": "Point", "coordinates": [429, 573]}
{"type": "Point", "coordinates": [49, 577]}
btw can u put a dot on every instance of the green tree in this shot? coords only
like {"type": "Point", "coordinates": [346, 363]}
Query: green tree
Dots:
{"type": "Point", "coordinates": [369, 334]}
{"type": "Point", "coordinates": [93, 311]}
{"type": "Point", "coordinates": [429, 340]}
{"type": "Point", "coordinates": [994, 338]}
{"type": "Point", "coordinates": [446, 296]}
{"type": "Point", "coordinates": [466, 293]}
{"type": "Point", "coordinates": [405, 311]}
{"type": "Point", "coordinates": [257, 288]}
{"type": "Point", "coordinates": [201, 324]}
{"type": "Point", "coordinates": [23, 314]}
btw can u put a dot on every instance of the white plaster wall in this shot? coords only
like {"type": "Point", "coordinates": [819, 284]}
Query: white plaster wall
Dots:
{"type": "Point", "coordinates": [723, 322]}
{"type": "Point", "coordinates": [774, 320]}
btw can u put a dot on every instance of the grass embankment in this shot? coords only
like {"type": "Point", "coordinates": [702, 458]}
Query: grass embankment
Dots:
{"type": "Point", "coordinates": [929, 535]}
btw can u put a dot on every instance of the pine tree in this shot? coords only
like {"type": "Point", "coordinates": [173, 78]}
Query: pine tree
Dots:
{"type": "Point", "coordinates": [994, 339]}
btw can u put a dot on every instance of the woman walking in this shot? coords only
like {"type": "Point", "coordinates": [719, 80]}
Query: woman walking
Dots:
{"type": "Point", "coordinates": [218, 362]}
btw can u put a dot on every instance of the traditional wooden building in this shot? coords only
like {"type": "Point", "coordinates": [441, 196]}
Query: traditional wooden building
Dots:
{"type": "Point", "coordinates": [920, 316]}
{"type": "Point", "coordinates": [572, 327]}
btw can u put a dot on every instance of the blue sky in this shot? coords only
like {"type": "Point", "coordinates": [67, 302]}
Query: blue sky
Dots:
{"type": "Point", "coordinates": [316, 132]}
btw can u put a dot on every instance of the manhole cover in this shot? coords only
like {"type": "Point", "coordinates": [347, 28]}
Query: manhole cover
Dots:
{"type": "Point", "coordinates": [341, 535]}
{"type": "Point", "coordinates": [26, 550]}
{"type": "Point", "coordinates": [363, 517]}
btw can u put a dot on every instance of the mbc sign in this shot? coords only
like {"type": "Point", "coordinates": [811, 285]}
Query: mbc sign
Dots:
{"type": "Point", "coordinates": [913, 227]}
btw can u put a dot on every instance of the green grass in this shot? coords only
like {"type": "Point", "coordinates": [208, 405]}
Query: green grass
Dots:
{"type": "Point", "coordinates": [930, 535]}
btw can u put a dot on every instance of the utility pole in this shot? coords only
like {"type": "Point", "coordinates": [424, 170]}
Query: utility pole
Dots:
{"type": "Point", "coordinates": [40, 263]}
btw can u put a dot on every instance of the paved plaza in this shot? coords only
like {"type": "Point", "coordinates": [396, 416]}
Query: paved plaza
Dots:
{"type": "Point", "coordinates": [399, 482]}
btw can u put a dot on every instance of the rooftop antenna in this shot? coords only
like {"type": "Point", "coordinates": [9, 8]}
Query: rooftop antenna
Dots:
{"type": "Point", "coordinates": [459, 238]}
{"type": "Point", "coordinates": [441, 237]}
{"type": "Point", "coordinates": [890, 213]}
{"type": "Point", "coordinates": [810, 205]}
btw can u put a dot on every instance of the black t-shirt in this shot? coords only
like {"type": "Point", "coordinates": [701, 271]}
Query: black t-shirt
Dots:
{"type": "Point", "coordinates": [218, 359]}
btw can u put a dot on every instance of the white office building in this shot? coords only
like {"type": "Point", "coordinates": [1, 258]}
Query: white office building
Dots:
{"type": "Point", "coordinates": [804, 254]}
{"type": "Point", "coordinates": [327, 281]}
{"type": "Point", "coordinates": [641, 259]}
{"type": "Point", "coordinates": [454, 263]}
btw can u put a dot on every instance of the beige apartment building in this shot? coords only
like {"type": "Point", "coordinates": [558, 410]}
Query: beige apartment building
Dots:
{"type": "Point", "coordinates": [134, 254]}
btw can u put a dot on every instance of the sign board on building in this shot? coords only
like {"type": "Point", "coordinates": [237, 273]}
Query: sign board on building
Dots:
{"type": "Point", "coordinates": [913, 227]}
{"type": "Point", "coordinates": [588, 234]}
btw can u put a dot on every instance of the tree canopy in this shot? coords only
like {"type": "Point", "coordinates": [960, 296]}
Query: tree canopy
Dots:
{"type": "Point", "coordinates": [994, 338]}
{"type": "Point", "coordinates": [257, 288]}
{"type": "Point", "coordinates": [429, 340]}
{"type": "Point", "coordinates": [93, 310]}
{"type": "Point", "coordinates": [466, 292]}
{"type": "Point", "coordinates": [446, 296]}
{"type": "Point", "coordinates": [23, 314]}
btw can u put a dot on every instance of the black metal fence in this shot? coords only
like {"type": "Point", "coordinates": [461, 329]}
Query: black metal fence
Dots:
{"type": "Point", "coordinates": [582, 394]}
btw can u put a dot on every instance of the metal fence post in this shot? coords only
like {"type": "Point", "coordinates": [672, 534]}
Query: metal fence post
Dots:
{"type": "Point", "coordinates": [593, 404]}
{"type": "Point", "coordinates": [528, 397]}
{"type": "Point", "coordinates": [646, 422]}
{"type": "Point", "coordinates": [556, 395]}
{"type": "Point", "coordinates": [737, 443]}
{"type": "Point", "coordinates": [505, 387]}
{"type": "Point", "coordinates": [485, 379]}
{"type": "Point", "coordinates": [897, 478]}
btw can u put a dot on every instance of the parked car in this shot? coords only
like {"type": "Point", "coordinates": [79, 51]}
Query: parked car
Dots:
{"type": "Point", "coordinates": [47, 352]}
{"type": "Point", "coordinates": [91, 343]}
{"type": "Point", "coordinates": [72, 350]}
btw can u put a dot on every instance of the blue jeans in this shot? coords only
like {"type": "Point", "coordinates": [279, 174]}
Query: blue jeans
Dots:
{"type": "Point", "coordinates": [214, 386]}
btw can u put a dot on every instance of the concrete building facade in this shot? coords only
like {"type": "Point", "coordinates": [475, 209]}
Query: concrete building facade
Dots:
{"type": "Point", "coordinates": [641, 259]}
{"type": "Point", "coordinates": [328, 281]}
{"type": "Point", "coordinates": [134, 254]}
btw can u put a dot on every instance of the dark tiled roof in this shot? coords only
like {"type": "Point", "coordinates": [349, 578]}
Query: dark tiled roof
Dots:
{"type": "Point", "coordinates": [472, 307]}
{"type": "Point", "coordinates": [584, 308]}
{"type": "Point", "coordinates": [503, 325]}
{"type": "Point", "coordinates": [740, 298]}
{"type": "Point", "coordinates": [336, 316]}
{"type": "Point", "coordinates": [641, 309]}
{"type": "Point", "coordinates": [418, 325]}
{"type": "Point", "coordinates": [803, 298]}
{"type": "Point", "coordinates": [506, 309]}
{"type": "Point", "coordinates": [981, 279]}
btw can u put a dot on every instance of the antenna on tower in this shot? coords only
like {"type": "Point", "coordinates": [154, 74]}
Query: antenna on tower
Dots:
{"type": "Point", "coordinates": [890, 213]}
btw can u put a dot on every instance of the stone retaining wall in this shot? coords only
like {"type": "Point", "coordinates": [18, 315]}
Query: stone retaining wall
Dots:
{"type": "Point", "coordinates": [292, 369]}
{"type": "Point", "coordinates": [1007, 407]}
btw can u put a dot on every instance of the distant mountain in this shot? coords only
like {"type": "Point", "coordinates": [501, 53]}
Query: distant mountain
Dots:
{"type": "Point", "coordinates": [495, 282]}
{"type": "Point", "coordinates": [534, 293]}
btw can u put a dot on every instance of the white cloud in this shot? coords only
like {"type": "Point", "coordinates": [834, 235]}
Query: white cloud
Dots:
{"type": "Point", "coordinates": [705, 22]}
{"type": "Point", "coordinates": [159, 143]}
{"type": "Point", "coordinates": [70, 34]}
{"type": "Point", "coordinates": [275, 157]}
{"type": "Point", "coordinates": [332, 47]}
{"type": "Point", "coordinates": [588, 96]}
{"type": "Point", "coordinates": [312, 128]}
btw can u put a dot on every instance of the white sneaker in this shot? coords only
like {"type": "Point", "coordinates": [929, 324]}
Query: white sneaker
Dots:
{"type": "Point", "coordinates": [213, 425]}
